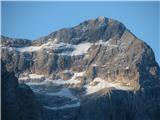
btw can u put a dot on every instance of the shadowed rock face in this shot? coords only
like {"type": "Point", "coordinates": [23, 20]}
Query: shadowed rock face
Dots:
{"type": "Point", "coordinates": [97, 70]}
{"type": "Point", "coordinates": [18, 101]}
{"type": "Point", "coordinates": [122, 105]}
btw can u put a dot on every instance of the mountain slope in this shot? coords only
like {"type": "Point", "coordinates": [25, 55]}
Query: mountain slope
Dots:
{"type": "Point", "coordinates": [88, 69]}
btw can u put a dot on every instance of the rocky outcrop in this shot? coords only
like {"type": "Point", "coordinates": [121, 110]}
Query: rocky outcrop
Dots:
{"type": "Point", "coordinates": [13, 42]}
{"type": "Point", "coordinates": [18, 101]}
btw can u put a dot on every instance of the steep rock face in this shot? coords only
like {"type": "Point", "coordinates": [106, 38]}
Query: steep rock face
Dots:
{"type": "Point", "coordinates": [9, 98]}
{"type": "Point", "coordinates": [18, 101]}
{"type": "Point", "coordinates": [122, 105]}
{"type": "Point", "coordinates": [113, 54]}
{"type": "Point", "coordinates": [88, 31]}
{"type": "Point", "coordinates": [89, 70]}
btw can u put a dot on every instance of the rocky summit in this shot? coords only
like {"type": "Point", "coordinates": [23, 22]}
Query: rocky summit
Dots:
{"type": "Point", "coordinates": [97, 70]}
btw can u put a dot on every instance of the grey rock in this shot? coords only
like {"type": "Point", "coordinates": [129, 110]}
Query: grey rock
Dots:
{"type": "Point", "coordinates": [115, 54]}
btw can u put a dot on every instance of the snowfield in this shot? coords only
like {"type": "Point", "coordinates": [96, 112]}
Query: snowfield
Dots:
{"type": "Point", "coordinates": [79, 49]}
{"type": "Point", "coordinates": [68, 49]}
{"type": "Point", "coordinates": [62, 93]}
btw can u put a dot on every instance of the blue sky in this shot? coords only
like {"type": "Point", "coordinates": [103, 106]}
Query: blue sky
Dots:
{"type": "Point", "coordinates": [36, 19]}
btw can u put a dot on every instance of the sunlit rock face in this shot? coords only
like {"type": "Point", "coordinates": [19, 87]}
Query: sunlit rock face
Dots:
{"type": "Point", "coordinates": [97, 70]}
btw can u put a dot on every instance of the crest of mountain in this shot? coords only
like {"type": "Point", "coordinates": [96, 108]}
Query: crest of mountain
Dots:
{"type": "Point", "coordinates": [85, 72]}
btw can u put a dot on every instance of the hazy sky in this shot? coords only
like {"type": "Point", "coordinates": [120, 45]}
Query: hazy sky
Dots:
{"type": "Point", "coordinates": [35, 19]}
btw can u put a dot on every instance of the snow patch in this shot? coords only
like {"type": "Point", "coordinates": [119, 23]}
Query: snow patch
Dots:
{"type": "Point", "coordinates": [48, 45]}
{"type": "Point", "coordinates": [35, 76]}
{"type": "Point", "coordinates": [64, 92]}
{"type": "Point", "coordinates": [127, 68]}
{"type": "Point", "coordinates": [26, 77]}
{"type": "Point", "coordinates": [81, 49]}
{"type": "Point", "coordinates": [95, 65]}
{"type": "Point", "coordinates": [40, 83]}
{"type": "Point", "coordinates": [106, 43]}
{"type": "Point", "coordinates": [73, 80]}
{"type": "Point", "coordinates": [28, 49]}
{"type": "Point", "coordinates": [98, 84]}
{"type": "Point", "coordinates": [67, 49]}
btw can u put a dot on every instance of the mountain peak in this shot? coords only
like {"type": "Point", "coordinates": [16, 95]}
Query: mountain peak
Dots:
{"type": "Point", "coordinates": [101, 18]}
{"type": "Point", "coordinates": [92, 30]}
{"type": "Point", "coordinates": [92, 65]}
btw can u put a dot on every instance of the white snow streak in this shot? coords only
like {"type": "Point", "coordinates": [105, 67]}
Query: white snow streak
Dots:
{"type": "Point", "coordinates": [31, 76]}
{"type": "Point", "coordinates": [28, 49]}
{"type": "Point", "coordinates": [35, 76]}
